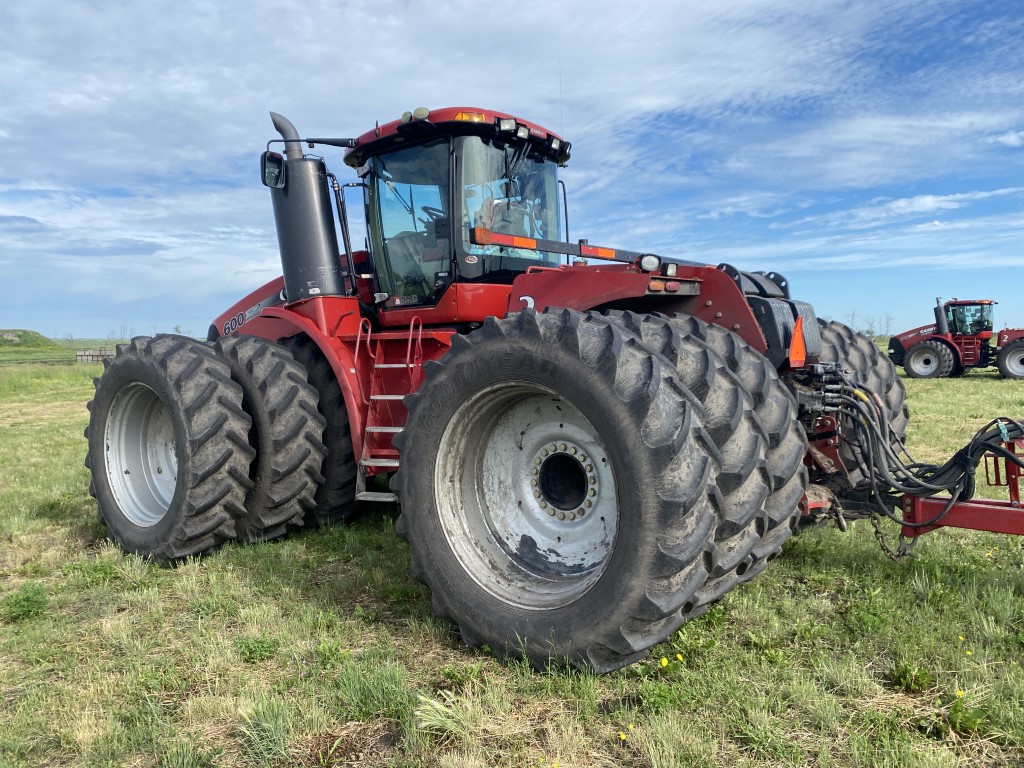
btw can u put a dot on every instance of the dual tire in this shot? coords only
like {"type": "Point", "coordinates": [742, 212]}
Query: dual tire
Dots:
{"type": "Point", "coordinates": [192, 445]}
{"type": "Point", "coordinates": [566, 495]}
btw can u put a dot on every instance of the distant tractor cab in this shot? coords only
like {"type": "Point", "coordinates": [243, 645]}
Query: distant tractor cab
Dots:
{"type": "Point", "coordinates": [960, 340]}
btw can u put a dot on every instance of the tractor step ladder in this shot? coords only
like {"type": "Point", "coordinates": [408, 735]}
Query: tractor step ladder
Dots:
{"type": "Point", "coordinates": [380, 406]}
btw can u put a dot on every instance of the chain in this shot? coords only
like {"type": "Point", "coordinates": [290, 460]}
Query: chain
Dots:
{"type": "Point", "coordinates": [893, 554]}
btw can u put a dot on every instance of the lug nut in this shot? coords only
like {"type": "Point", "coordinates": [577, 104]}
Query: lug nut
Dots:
{"type": "Point", "coordinates": [536, 493]}
{"type": "Point", "coordinates": [534, 471]}
{"type": "Point", "coordinates": [544, 452]}
{"type": "Point", "coordinates": [561, 447]}
{"type": "Point", "coordinates": [590, 467]}
{"type": "Point", "coordinates": [543, 505]}
{"type": "Point", "coordinates": [534, 482]}
{"type": "Point", "coordinates": [561, 515]}
{"type": "Point", "coordinates": [572, 515]}
{"type": "Point", "coordinates": [581, 512]}
{"type": "Point", "coordinates": [592, 479]}
{"type": "Point", "coordinates": [551, 513]}
{"type": "Point", "coordinates": [591, 492]}
{"type": "Point", "coordinates": [588, 504]}
{"type": "Point", "coordinates": [573, 450]}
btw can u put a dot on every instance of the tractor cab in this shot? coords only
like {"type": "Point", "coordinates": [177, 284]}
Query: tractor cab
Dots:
{"type": "Point", "coordinates": [970, 318]}
{"type": "Point", "coordinates": [432, 178]}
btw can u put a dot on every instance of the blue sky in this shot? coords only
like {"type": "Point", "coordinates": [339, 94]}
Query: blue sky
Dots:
{"type": "Point", "coordinates": [872, 152]}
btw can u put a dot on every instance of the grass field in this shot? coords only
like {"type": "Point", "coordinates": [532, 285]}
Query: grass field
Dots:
{"type": "Point", "coordinates": [321, 651]}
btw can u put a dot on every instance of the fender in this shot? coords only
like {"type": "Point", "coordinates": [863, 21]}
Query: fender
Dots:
{"type": "Point", "coordinates": [278, 322]}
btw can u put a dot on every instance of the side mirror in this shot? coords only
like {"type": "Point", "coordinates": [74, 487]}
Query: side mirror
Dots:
{"type": "Point", "coordinates": [272, 170]}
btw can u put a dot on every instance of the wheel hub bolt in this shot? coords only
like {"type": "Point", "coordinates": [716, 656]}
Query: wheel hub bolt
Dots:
{"type": "Point", "coordinates": [536, 493]}
{"type": "Point", "coordinates": [544, 452]}
{"type": "Point", "coordinates": [588, 504]}
{"type": "Point", "coordinates": [592, 479]}
{"type": "Point", "coordinates": [573, 450]}
{"type": "Point", "coordinates": [543, 505]}
{"type": "Point", "coordinates": [561, 515]}
{"type": "Point", "coordinates": [581, 512]}
{"type": "Point", "coordinates": [561, 447]}
{"type": "Point", "coordinates": [554, 447]}
{"type": "Point", "coordinates": [592, 492]}
{"type": "Point", "coordinates": [551, 513]}
{"type": "Point", "coordinates": [534, 471]}
{"type": "Point", "coordinates": [572, 515]}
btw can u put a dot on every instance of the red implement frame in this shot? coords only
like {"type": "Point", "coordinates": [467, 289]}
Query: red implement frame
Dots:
{"type": "Point", "coordinates": [977, 514]}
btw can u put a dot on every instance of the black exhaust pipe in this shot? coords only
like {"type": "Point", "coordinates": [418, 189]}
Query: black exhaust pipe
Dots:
{"type": "Point", "coordinates": [941, 323]}
{"type": "Point", "coordinates": [305, 223]}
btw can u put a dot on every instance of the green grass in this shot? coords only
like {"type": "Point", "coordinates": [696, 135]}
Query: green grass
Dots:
{"type": "Point", "coordinates": [320, 651]}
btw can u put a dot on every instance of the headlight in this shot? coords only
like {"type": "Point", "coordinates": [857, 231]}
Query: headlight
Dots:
{"type": "Point", "coordinates": [649, 262]}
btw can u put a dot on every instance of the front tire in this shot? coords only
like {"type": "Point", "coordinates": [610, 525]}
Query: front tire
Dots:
{"type": "Point", "coordinates": [168, 448]}
{"type": "Point", "coordinates": [336, 496]}
{"type": "Point", "coordinates": [1011, 360]}
{"type": "Point", "coordinates": [287, 432]}
{"type": "Point", "coordinates": [929, 360]}
{"type": "Point", "coordinates": [556, 490]}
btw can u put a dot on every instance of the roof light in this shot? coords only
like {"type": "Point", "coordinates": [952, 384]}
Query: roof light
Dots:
{"type": "Point", "coordinates": [406, 116]}
{"type": "Point", "coordinates": [507, 124]}
{"type": "Point", "coordinates": [471, 117]}
{"type": "Point", "coordinates": [522, 132]}
{"type": "Point", "coordinates": [421, 113]}
{"type": "Point", "coordinates": [556, 143]}
{"type": "Point", "coordinates": [649, 262]}
{"type": "Point", "coordinates": [670, 270]}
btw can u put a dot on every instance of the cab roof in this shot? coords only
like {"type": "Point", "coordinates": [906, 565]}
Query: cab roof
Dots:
{"type": "Point", "coordinates": [423, 123]}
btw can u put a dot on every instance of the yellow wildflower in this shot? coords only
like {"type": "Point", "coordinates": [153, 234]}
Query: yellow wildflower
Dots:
{"type": "Point", "coordinates": [664, 661]}
{"type": "Point", "coordinates": [622, 736]}
{"type": "Point", "coordinates": [959, 694]}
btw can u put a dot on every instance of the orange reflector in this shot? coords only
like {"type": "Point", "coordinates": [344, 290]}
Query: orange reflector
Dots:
{"type": "Point", "coordinates": [597, 253]}
{"type": "Point", "coordinates": [656, 285]}
{"type": "Point", "coordinates": [481, 236]}
{"type": "Point", "coordinates": [524, 242]}
{"type": "Point", "coordinates": [471, 117]}
{"type": "Point", "coordinates": [798, 346]}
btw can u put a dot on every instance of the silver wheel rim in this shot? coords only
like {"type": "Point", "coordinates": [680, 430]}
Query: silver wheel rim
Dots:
{"type": "Point", "coordinates": [142, 462]}
{"type": "Point", "coordinates": [924, 361]}
{"type": "Point", "coordinates": [1015, 362]}
{"type": "Point", "coordinates": [526, 496]}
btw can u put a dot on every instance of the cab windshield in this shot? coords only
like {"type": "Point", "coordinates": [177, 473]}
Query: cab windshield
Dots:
{"type": "Point", "coordinates": [969, 319]}
{"type": "Point", "coordinates": [511, 190]}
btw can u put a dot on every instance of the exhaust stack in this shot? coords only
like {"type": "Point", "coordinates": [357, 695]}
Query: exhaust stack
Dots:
{"type": "Point", "coordinates": [941, 324]}
{"type": "Point", "coordinates": [305, 223]}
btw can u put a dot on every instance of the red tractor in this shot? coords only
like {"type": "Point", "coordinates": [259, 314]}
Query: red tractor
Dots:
{"type": "Point", "coordinates": [959, 340]}
{"type": "Point", "coordinates": [589, 445]}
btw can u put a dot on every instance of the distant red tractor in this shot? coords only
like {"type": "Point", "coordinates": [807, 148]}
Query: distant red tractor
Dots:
{"type": "Point", "coordinates": [589, 445]}
{"type": "Point", "coordinates": [958, 341]}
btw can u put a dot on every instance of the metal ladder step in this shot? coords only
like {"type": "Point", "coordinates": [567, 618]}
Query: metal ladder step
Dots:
{"type": "Point", "coordinates": [393, 365]}
{"type": "Point", "coordinates": [376, 496]}
{"type": "Point", "coordinates": [379, 463]}
{"type": "Point", "coordinates": [391, 430]}
{"type": "Point", "coordinates": [387, 397]}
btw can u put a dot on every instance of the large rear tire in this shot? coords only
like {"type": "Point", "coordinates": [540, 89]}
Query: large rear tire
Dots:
{"type": "Point", "coordinates": [867, 366]}
{"type": "Point", "coordinates": [168, 448]}
{"type": "Point", "coordinates": [929, 360]}
{"type": "Point", "coordinates": [287, 435]}
{"type": "Point", "coordinates": [759, 440]}
{"type": "Point", "coordinates": [556, 488]}
{"type": "Point", "coordinates": [336, 495]}
{"type": "Point", "coordinates": [1011, 360]}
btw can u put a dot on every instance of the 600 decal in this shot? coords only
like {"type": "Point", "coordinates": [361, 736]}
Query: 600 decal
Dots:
{"type": "Point", "coordinates": [233, 323]}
